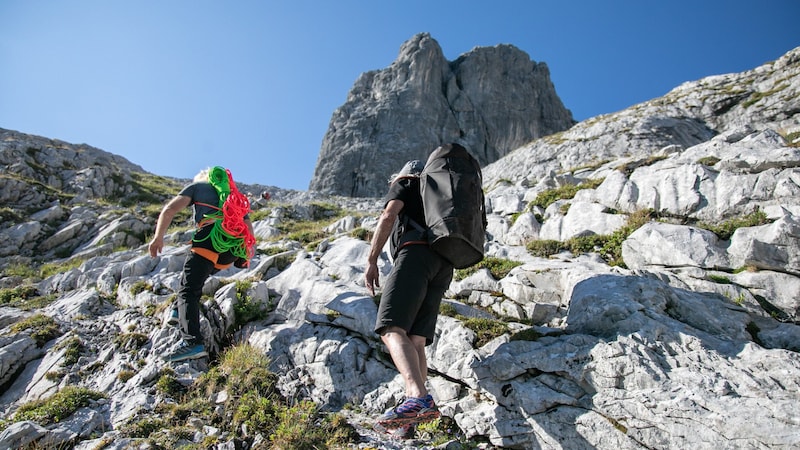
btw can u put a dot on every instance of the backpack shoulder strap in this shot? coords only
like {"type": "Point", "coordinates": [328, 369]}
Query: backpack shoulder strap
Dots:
{"type": "Point", "coordinates": [414, 224]}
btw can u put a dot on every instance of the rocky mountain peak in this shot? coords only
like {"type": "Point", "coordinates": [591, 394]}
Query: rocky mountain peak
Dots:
{"type": "Point", "coordinates": [491, 99]}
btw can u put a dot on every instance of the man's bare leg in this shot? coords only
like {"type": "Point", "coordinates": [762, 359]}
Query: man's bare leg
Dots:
{"type": "Point", "coordinates": [405, 352]}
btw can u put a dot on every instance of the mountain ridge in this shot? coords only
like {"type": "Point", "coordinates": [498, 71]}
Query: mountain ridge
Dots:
{"type": "Point", "coordinates": [640, 290]}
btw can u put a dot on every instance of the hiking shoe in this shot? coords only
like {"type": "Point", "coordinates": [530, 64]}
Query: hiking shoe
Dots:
{"type": "Point", "coordinates": [173, 319]}
{"type": "Point", "coordinates": [413, 410]}
{"type": "Point", "coordinates": [186, 351]}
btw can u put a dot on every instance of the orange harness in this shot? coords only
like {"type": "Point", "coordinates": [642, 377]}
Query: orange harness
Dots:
{"type": "Point", "coordinates": [210, 255]}
{"type": "Point", "coordinates": [206, 253]}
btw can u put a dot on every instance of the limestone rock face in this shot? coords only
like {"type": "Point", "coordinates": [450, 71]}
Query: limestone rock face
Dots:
{"type": "Point", "coordinates": [727, 107]}
{"type": "Point", "coordinates": [491, 99]}
{"type": "Point", "coordinates": [677, 330]}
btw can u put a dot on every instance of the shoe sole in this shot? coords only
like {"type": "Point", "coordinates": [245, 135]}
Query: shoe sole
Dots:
{"type": "Point", "coordinates": [405, 432]}
{"type": "Point", "coordinates": [185, 357]}
{"type": "Point", "coordinates": [173, 320]}
{"type": "Point", "coordinates": [397, 422]}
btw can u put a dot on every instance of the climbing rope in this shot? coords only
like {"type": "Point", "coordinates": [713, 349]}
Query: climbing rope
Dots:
{"type": "Point", "coordinates": [229, 231]}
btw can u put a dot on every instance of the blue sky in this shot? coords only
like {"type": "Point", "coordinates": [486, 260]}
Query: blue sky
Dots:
{"type": "Point", "coordinates": [179, 85]}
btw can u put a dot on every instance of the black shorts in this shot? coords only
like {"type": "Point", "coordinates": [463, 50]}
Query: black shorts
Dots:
{"type": "Point", "coordinates": [413, 292]}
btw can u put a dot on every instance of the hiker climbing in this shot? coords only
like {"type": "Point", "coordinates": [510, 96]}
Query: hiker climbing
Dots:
{"type": "Point", "coordinates": [409, 304]}
{"type": "Point", "coordinates": [224, 237]}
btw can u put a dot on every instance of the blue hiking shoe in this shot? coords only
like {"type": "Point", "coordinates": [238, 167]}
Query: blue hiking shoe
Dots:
{"type": "Point", "coordinates": [173, 318]}
{"type": "Point", "coordinates": [412, 411]}
{"type": "Point", "coordinates": [186, 351]}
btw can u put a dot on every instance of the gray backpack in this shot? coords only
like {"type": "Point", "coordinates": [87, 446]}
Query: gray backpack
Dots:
{"type": "Point", "coordinates": [452, 197]}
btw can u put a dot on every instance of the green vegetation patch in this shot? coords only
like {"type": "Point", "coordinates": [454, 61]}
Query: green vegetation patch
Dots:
{"type": "Point", "coordinates": [124, 375]}
{"type": "Point", "coordinates": [725, 230]}
{"type": "Point", "coordinates": [50, 269]}
{"type": "Point", "coordinates": [720, 279]}
{"type": "Point", "coordinates": [18, 296]}
{"type": "Point", "coordinates": [253, 407]}
{"type": "Point", "coordinates": [169, 385]}
{"type": "Point", "coordinates": [485, 329]}
{"type": "Point", "coordinates": [73, 347]}
{"type": "Point", "coordinates": [320, 211]}
{"type": "Point", "coordinates": [446, 309]}
{"type": "Point", "coordinates": [793, 139]}
{"type": "Point", "coordinates": [586, 244]}
{"type": "Point", "coordinates": [628, 167]}
{"type": "Point", "coordinates": [21, 270]}
{"type": "Point", "coordinates": [260, 214]}
{"type": "Point", "coordinates": [42, 328]}
{"type": "Point", "coordinates": [528, 334]}
{"type": "Point", "coordinates": [708, 160]}
{"type": "Point", "coordinates": [144, 428]}
{"type": "Point", "coordinates": [498, 267]}
{"type": "Point", "coordinates": [444, 433]}
{"type": "Point", "coordinates": [247, 309]}
{"type": "Point", "coordinates": [568, 191]}
{"type": "Point", "coordinates": [298, 426]}
{"type": "Point", "coordinates": [612, 248]}
{"type": "Point", "coordinates": [543, 248]}
{"type": "Point", "coordinates": [149, 188]}
{"type": "Point", "coordinates": [130, 341]}
{"type": "Point", "coordinates": [303, 231]}
{"type": "Point", "coordinates": [140, 286]}
{"type": "Point", "coordinates": [362, 234]}
{"type": "Point", "coordinates": [310, 232]}
{"type": "Point", "coordinates": [10, 216]}
{"type": "Point", "coordinates": [757, 96]}
{"type": "Point", "coordinates": [609, 247]}
{"type": "Point", "coordinates": [57, 407]}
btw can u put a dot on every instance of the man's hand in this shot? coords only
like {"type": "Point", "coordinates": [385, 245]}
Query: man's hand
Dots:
{"type": "Point", "coordinates": [156, 246]}
{"type": "Point", "coordinates": [371, 277]}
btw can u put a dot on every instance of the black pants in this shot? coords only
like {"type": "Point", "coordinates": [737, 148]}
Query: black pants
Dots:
{"type": "Point", "coordinates": [196, 271]}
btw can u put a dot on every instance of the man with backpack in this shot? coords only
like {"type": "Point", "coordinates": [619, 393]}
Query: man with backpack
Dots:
{"type": "Point", "coordinates": [224, 237]}
{"type": "Point", "coordinates": [413, 291]}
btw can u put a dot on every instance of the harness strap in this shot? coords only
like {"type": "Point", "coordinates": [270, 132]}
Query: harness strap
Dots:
{"type": "Point", "coordinates": [412, 243]}
{"type": "Point", "coordinates": [210, 206]}
{"type": "Point", "coordinates": [210, 255]}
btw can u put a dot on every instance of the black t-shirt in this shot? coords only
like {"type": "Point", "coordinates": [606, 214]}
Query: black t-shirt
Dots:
{"type": "Point", "coordinates": [205, 194]}
{"type": "Point", "coordinates": [407, 191]}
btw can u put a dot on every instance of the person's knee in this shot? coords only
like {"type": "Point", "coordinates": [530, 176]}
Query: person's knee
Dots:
{"type": "Point", "coordinates": [392, 329]}
{"type": "Point", "coordinates": [393, 332]}
{"type": "Point", "coordinates": [418, 341]}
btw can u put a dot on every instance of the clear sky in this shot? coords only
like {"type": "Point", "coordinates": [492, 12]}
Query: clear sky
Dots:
{"type": "Point", "coordinates": [179, 85]}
